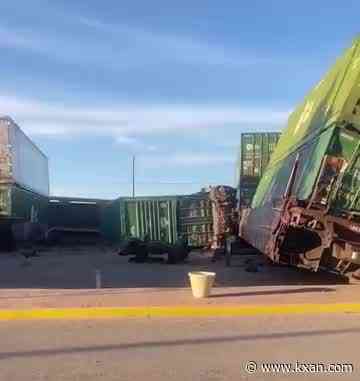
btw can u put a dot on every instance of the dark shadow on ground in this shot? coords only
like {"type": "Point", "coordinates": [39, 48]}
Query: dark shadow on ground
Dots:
{"type": "Point", "coordinates": [276, 292]}
{"type": "Point", "coordinates": [171, 343]}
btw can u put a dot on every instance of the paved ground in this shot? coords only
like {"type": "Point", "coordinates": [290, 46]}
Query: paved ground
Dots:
{"type": "Point", "coordinates": [199, 348]}
{"type": "Point", "coordinates": [66, 278]}
{"type": "Point", "coordinates": [176, 349]}
{"type": "Point", "coordinates": [75, 269]}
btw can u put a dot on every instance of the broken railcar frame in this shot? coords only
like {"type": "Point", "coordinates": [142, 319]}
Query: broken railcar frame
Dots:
{"type": "Point", "coordinates": [312, 234]}
{"type": "Point", "coordinates": [306, 209]}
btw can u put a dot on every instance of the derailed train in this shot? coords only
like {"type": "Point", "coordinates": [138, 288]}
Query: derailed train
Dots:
{"type": "Point", "coordinates": [306, 209]}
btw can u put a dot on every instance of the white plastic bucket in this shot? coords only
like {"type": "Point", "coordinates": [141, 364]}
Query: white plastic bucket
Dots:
{"type": "Point", "coordinates": [201, 283]}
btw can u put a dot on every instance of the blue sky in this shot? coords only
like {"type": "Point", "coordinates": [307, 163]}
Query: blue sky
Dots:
{"type": "Point", "coordinates": [174, 83]}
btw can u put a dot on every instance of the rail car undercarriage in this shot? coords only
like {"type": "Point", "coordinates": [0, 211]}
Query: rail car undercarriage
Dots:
{"type": "Point", "coordinates": [311, 239]}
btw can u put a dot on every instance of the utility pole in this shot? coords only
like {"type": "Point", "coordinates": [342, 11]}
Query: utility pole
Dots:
{"type": "Point", "coordinates": [133, 176]}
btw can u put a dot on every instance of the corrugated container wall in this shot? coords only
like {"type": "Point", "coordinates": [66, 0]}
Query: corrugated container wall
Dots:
{"type": "Point", "coordinates": [21, 162]}
{"type": "Point", "coordinates": [23, 216]}
{"type": "Point", "coordinates": [195, 219]}
{"type": "Point", "coordinates": [155, 218]}
{"type": "Point", "coordinates": [141, 217]}
{"type": "Point", "coordinates": [18, 204]}
{"type": "Point", "coordinates": [165, 219]}
{"type": "Point", "coordinates": [254, 155]}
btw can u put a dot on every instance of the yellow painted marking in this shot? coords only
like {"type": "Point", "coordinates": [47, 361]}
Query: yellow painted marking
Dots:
{"type": "Point", "coordinates": [176, 311]}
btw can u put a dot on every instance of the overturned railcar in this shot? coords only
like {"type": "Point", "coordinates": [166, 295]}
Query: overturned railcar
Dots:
{"type": "Point", "coordinates": [306, 209]}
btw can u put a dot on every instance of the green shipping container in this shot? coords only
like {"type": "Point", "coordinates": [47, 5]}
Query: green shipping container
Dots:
{"type": "Point", "coordinates": [165, 219]}
{"type": "Point", "coordinates": [155, 218]}
{"type": "Point", "coordinates": [18, 204]}
{"type": "Point", "coordinates": [23, 216]}
{"type": "Point", "coordinates": [141, 217]}
{"type": "Point", "coordinates": [254, 155]}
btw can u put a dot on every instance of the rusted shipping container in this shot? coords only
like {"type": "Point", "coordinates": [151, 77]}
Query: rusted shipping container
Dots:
{"type": "Point", "coordinates": [196, 219]}
{"type": "Point", "coordinates": [306, 210]}
{"type": "Point", "coordinates": [21, 161]}
{"type": "Point", "coordinates": [223, 206]}
{"type": "Point", "coordinates": [24, 187]}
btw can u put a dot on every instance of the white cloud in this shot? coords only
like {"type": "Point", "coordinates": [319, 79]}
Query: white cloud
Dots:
{"type": "Point", "coordinates": [185, 159]}
{"type": "Point", "coordinates": [125, 140]}
{"type": "Point", "coordinates": [118, 46]}
{"type": "Point", "coordinates": [135, 143]}
{"type": "Point", "coordinates": [183, 48]}
{"type": "Point", "coordinates": [65, 49]}
{"type": "Point", "coordinates": [127, 122]}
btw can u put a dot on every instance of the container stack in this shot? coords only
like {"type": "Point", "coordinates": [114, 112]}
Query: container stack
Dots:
{"type": "Point", "coordinates": [24, 186]}
{"type": "Point", "coordinates": [254, 155]}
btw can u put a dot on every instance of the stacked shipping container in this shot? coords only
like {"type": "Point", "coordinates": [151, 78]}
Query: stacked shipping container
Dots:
{"type": "Point", "coordinates": [21, 162]}
{"type": "Point", "coordinates": [24, 184]}
{"type": "Point", "coordinates": [254, 155]}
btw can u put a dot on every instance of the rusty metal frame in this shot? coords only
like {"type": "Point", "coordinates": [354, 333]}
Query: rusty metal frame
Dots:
{"type": "Point", "coordinates": [317, 221]}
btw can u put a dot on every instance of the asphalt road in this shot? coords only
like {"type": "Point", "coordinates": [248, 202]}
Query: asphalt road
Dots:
{"type": "Point", "coordinates": [178, 349]}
